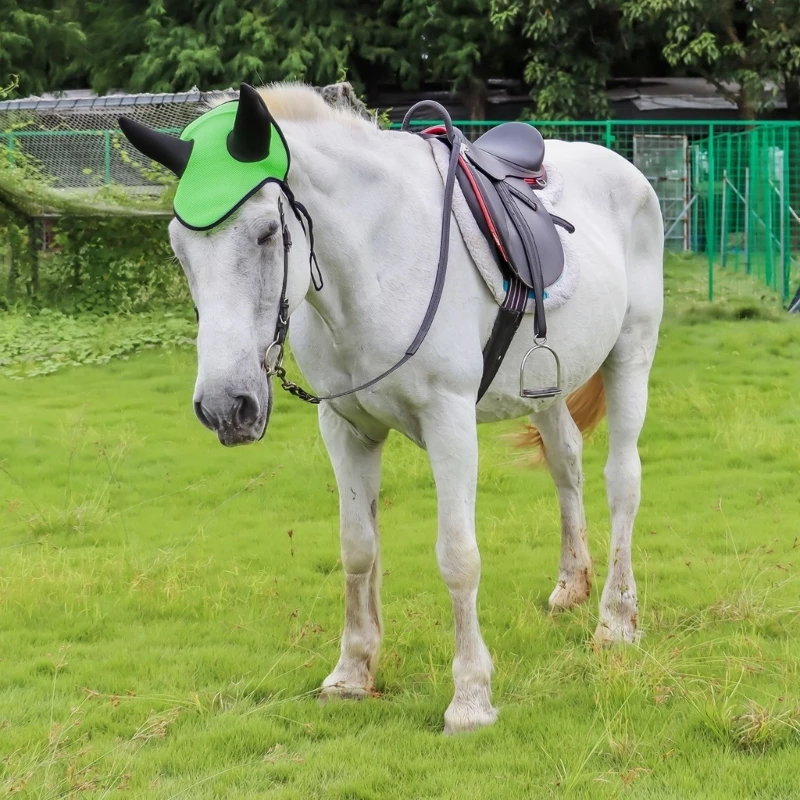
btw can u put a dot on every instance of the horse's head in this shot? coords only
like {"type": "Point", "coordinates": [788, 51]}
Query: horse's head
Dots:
{"type": "Point", "coordinates": [238, 237]}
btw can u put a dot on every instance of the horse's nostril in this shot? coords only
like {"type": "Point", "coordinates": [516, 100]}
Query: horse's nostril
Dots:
{"type": "Point", "coordinates": [247, 410]}
{"type": "Point", "coordinates": [205, 417]}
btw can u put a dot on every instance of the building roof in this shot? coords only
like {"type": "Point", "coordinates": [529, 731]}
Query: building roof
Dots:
{"type": "Point", "coordinates": [85, 100]}
{"type": "Point", "coordinates": [666, 94]}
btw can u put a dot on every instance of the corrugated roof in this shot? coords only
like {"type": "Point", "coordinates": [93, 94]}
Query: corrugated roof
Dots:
{"type": "Point", "coordinates": [83, 100]}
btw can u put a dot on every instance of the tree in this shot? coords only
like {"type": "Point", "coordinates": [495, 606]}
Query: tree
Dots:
{"type": "Point", "coordinates": [173, 45]}
{"type": "Point", "coordinates": [569, 49]}
{"type": "Point", "coordinates": [453, 41]}
{"type": "Point", "coordinates": [40, 44]}
{"type": "Point", "coordinates": [746, 48]}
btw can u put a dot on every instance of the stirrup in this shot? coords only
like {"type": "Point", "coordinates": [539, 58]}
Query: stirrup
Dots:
{"type": "Point", "coordinates": [548, 391]}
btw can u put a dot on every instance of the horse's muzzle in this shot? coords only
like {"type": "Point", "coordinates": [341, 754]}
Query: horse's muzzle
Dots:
{"type": "Point", "coordinates": [236, 419]}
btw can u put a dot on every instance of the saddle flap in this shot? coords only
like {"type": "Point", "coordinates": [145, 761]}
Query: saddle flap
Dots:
{"type": "Point", "coordinates": [527, 211]}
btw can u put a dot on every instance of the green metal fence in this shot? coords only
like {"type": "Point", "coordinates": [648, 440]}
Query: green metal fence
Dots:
{"type": "Point", "coordinates": [728, 190]}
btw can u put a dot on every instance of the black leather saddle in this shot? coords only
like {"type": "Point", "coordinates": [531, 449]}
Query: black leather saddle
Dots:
{"type": "Point", "coordinates": [505, 169]}
{"type": "Point", "coordinates": [512, 149]}
{"type": "Point", "coordinates": [498, 174]}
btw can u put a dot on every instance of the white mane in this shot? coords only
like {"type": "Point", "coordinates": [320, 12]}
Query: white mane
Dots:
{"type": "Point", "coordinates": [298, 102]}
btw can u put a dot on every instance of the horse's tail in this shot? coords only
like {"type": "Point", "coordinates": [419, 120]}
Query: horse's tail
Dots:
{"type": "Point", "coordinates": [586, 405]}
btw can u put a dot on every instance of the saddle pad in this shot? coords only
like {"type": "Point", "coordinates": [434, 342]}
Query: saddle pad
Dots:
{"type": "Point", "coordinates": [556, 294]}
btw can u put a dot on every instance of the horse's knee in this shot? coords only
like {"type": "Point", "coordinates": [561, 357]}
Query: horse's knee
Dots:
{"type": "Point", "coordinates": [459, 562]}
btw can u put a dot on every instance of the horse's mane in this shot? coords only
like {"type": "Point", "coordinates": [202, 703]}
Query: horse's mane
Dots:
{"type": "Point", "coordinates": [298, 102]}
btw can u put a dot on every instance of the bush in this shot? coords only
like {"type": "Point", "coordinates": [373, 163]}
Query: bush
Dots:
{"type": "Point", "coordinates": [97, 264]}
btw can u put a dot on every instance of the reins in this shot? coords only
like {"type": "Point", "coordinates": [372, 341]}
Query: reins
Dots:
{"type": "Point", "coordinates": [282, 323]}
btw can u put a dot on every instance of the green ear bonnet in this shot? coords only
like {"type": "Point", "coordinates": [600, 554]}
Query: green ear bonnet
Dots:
{"type": "Point", "coordinates": [221, 158]}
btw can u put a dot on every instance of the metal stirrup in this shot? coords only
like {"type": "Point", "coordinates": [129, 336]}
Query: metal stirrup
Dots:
{"type": "Point", "coordinates": [549, 391]}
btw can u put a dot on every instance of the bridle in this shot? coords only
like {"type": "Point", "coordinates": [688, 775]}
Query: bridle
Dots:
{"type": "Point", "coordinates": [276, 347]}
{"type": "Point", "coordinates": [282, 322]}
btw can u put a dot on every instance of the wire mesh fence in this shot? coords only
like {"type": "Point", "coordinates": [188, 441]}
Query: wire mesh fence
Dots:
{"type": "Point", "coordinates": [69, 154]}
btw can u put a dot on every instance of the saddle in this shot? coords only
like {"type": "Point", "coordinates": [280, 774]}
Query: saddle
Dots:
{"type": "Point", "coordinates": [506, 166]}
{"type": "Point", "coordinates": [498, 174]}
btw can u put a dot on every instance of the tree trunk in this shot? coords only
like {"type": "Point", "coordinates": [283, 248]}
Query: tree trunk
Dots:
{"type": "Point", "coordinates": [791, 91]}
{"type": "Point", "coordinates": [747, 106]}
{"type": "Point", "coordinates": [476, 96]}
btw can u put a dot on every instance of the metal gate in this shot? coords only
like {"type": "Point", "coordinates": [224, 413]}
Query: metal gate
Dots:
{"type": "Point", "coordinates": [664, 161]}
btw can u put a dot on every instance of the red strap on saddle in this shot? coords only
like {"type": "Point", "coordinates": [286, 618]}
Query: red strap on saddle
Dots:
{"type": "Point", "coordinates": [482, 203]}
{"type": "Point", "coordinates": [439, 130]}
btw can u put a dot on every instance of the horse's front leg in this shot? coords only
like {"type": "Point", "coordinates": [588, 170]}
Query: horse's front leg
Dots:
{"type": "Point", "coordinates": [356, 463]}
{"type": "Point", "coordinates": [451, 439]}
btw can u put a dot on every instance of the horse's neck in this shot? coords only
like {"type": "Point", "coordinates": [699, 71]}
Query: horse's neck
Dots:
{"type": "Point", "coordinates": [367, 194]}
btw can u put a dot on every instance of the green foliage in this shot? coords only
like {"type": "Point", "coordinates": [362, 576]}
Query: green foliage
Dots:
{"type": "Point", "coordinates": [570, 45]}
{"type": "Point", "coordinates": [38, 343]}
{"type": "Point", "coordinates": [98, 264]}
{"type": "Point", "coordinates": [564, 50]}
{"type": "Point", "coordinates": [167, 45]}
{"type": "Point", "coordinates": [452, 41]}
{"type": "Point", "coordinates": [755, 45]}
{"type": "Point", "coordinates": [41, 42]}
{"type": "Point", "coordinates": [6, 90]}
{"type": "Point", "coordinates": [112, 264]}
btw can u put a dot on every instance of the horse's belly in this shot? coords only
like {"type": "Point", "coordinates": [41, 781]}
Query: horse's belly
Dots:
{"type": "Point", "coordinates": [582, 333]}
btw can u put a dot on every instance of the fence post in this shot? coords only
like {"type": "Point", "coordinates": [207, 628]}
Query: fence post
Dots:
{"type": "Point", "coordinates": [107, 157]}
{"type": "Point", "coordinates": [786, 222]}
{"type": "Point", "coordinates": [711, 216]}
{"type": "Point", "coordinates": [747, 220]}
{"type": "Point", "coordinates": [13, 254]}
{"type": "Point", "coordinates": [722, 217]}
{"type": "Point", "coordinates": [33, 255]}
{"type": "Point", "coordinates": [767, 155]}
{"type": "Point", "coordinates": [609, 135]}
{"type": "Point", "coordinates": [693, 173]}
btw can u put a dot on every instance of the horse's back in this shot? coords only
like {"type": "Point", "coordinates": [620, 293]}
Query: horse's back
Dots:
{"type": "Point", "coordinates": [609, 198]}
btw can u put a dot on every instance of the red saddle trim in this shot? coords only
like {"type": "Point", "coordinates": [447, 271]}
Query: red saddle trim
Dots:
{"type": "Point", "coordinates": [439, 130]}
{"type": "Point", "coordinates": [482, 203]}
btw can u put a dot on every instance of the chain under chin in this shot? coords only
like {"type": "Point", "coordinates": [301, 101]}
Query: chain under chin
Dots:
{"type": "Point", "coordinates": [296, 391]}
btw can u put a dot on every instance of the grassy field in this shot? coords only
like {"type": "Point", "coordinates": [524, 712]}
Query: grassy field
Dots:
{"type": "Point", "coordinates": [168, 608]}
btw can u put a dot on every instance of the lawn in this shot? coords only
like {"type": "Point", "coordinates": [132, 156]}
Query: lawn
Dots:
{"type": "Point", "coordinates": [168, 607]}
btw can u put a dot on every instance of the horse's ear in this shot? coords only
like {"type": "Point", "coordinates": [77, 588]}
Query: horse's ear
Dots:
{"type": "Point", "coordinates": [170, 151]}
{"type": "Point", "coordinates": [250, 138]}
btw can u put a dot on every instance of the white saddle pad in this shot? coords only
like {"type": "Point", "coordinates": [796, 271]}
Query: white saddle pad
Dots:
{"type": "Point", "coordinates": [555, 295]}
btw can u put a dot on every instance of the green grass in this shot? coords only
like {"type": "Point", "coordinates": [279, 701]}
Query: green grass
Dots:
{"type": "Point", "coordinates": [168, 607]}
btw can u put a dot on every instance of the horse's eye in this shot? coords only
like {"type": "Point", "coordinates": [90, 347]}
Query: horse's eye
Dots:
{"type": "Point", "coordinates": [268, 233]}
{"type": "Point", "coordinates": [197, 315]}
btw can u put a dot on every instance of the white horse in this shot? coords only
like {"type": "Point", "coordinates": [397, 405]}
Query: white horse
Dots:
{"type": "Point", "coordinates": [376, 201]}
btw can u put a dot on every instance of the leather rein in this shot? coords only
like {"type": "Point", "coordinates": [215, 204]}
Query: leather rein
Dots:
{"type": "Point", "coordinates": [276, 347]}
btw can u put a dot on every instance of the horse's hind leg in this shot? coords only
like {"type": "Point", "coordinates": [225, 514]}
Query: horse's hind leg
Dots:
{"type": "Point", "coordinates": [563, 448]}
{"type": "Point", "coordinates": [625, 375]}
{"type": "Point", "coordinates": [357, 464]}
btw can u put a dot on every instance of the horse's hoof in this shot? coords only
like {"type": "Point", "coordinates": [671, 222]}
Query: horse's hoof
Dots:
{"type": "Point", "coordinates": [569, 594]}
{"type": "Point", "coordinates": [469, 713]}
{"type": "Point", "coordinates": [621, 632]}
{"type": "Point", "coordinates": [343, 691]}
